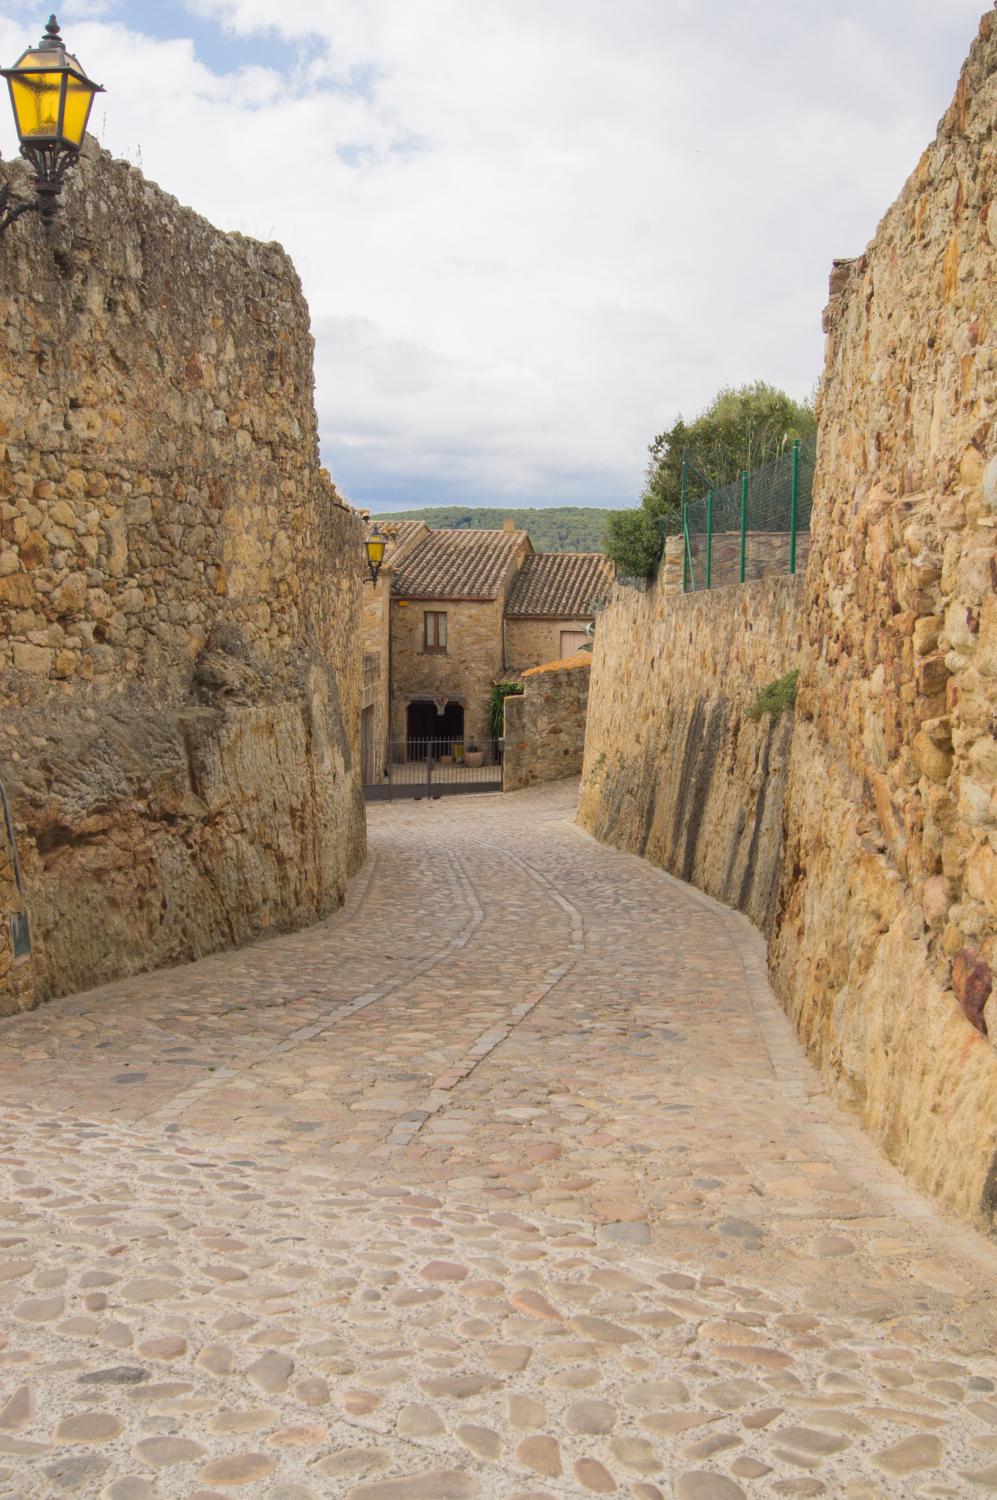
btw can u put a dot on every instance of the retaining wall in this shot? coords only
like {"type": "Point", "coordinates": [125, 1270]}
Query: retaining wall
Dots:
{"type": "Point", "coordinates": [545, 725]}
{"type": "Point", "coordinates": [179, 589]}
{"type": "Point", "coordinates": [881, 792]}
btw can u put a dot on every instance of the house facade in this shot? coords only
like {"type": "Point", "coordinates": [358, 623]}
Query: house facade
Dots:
{"type": "Point", "coordinates": [451, 613]}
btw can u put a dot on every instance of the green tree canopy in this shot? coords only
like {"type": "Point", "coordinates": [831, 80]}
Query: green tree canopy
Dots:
{"type": "Point", "coordinates": [740, 429]}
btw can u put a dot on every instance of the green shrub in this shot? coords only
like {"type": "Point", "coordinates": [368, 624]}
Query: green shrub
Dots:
{"type": "Point", "coordinates": [496, 709]}
{"type": "Point", "coordinates": [779, 695]}
{"type": "Point", "coordinates": [634, 542]}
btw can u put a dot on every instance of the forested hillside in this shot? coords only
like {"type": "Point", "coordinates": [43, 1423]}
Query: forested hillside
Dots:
{"type": "Point", "coordinates": [564, 528]}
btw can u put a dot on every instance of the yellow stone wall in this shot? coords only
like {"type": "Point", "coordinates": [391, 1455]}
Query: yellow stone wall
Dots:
{"type": "Point", "coordinates": [885, 941]}
{"type": "Point", "coordinates": [530, 643]}
{"type": "Point", "coordinates": [545, 725]}
{"type": "Point", "coordinates": [675, 767]}
{"type": "Point", "coordinates": [180, 672]}
{"type": "Point", "coordinates": [870, 813]}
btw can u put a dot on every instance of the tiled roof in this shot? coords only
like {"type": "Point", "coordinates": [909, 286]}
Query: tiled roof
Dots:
{"type": "Point", "coordinates": [560, 585]}
{"type": "Point", "coordinates": [461, 564]}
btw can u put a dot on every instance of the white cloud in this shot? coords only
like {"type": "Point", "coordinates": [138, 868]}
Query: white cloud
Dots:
{"type": "Point", "coordinates": [531, 231]}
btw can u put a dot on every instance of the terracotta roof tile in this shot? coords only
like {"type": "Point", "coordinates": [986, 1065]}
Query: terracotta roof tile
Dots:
{"type": "Point", "coordinates": [563, 664]}
{"type": "Point", "coordinates": [461, 564]}
{"type": "Point", "coordinates": [560, 585]}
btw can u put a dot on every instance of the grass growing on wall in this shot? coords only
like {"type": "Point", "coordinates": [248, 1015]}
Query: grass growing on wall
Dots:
{"type": "Point", "coordinates": [777, 696]}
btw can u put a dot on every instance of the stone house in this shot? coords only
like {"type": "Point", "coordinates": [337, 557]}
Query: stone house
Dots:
{"type": "Point", "coordinates": [455, 611]}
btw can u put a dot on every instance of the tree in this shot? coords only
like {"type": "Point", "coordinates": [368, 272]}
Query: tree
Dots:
{"type": "Point", "coordinates": [740, 429]}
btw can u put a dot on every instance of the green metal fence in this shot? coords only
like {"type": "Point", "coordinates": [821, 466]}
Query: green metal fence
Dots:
{"type": "Point", "coordinates": [754, 528]}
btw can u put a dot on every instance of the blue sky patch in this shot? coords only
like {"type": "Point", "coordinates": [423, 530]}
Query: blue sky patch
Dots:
{"type": "Point", "coordinates": [220, 49]}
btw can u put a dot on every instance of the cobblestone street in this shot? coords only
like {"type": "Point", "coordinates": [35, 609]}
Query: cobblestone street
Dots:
{"type": "Point", "coordinates": [509, 1180]}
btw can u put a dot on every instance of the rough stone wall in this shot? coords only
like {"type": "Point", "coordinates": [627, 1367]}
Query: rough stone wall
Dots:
{"type": "Point", "coordinates": [17, 987]}
{"type": "Point", "coordinates": [766, 555]}
{"type": "Point", "coordinates": [376, 624]}
{"type": "Point", "coordinates": [886, 936]}
{"type": "Point", "coordinates": [179, 585]}
{"type": "Point", "coordinates": [464, 672]}
{"type": "Point", "coordinates": [531, 643]}
{"type": "Point", "coordinates": [675, 769]}
{"type": "Point", "coordinates": [883, 920]}
{"type": "Point", "coordinates": [545, 725]}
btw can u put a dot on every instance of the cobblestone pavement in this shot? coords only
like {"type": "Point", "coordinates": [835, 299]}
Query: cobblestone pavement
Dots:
{"type": "Point", "coordinates": [507, 1181]}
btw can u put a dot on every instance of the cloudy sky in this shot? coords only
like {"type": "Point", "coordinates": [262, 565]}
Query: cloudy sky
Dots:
{"type": "Point", "coordinates": [531, 232]}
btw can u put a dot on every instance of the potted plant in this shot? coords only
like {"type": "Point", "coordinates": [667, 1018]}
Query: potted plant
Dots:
{"type": "Point", "coordinates": [473, 755]}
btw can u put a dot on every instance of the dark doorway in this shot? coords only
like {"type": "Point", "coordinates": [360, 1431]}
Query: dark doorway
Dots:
{"type": "Point", "coordinates": [428, 732]}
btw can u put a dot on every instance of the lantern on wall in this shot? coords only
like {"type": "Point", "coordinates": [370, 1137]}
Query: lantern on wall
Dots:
{"type": "Point", "coordinates": [51, 97]}
{"type": "Point", "coordinates": [375, 545]}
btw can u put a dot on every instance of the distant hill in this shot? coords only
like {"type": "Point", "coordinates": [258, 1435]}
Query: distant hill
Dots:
{"type": "Point", "coordinates": [562, 528]}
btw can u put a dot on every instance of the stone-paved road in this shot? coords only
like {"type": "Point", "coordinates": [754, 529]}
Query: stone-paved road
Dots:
{"type": "Point", "coordinates": [508, 1181]}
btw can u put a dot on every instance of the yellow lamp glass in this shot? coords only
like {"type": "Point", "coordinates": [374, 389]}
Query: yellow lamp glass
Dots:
{"type": "Point", "coordinates": [37, 101]}
{"type": "Point", "coordinates": [376, 544]}
{"type": "Point", "coordinates": [51, 95]}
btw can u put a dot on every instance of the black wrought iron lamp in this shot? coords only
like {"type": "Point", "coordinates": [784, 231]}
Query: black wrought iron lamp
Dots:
{"type": "Point", "coordinates": [52, 98]}
{"type": "Point", "coordinates": [375, 545]}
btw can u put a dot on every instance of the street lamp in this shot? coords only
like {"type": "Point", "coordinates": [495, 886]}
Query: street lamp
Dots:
{"type": "Point", "coordinates": [375, 545]}
{"type": "Point", "coordinates": [51, 98]}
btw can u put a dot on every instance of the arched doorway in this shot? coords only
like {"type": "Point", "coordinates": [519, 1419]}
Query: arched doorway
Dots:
{"type": "Point", "coordinates": [428, 732]}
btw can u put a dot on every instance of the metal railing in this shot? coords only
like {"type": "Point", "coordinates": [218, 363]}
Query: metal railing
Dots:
{"type": "Point", "coordinates": [436, 768]}
{"type": "Point", "coordinates": [756, 527]}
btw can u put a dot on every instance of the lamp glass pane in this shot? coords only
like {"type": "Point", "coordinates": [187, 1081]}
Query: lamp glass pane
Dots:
{"type": "Point", "coordinates": [79, 97]}
{"type": "Point", "coordinates": [36, 103]}
{"type": "Point", "coordinates": [375, 551]}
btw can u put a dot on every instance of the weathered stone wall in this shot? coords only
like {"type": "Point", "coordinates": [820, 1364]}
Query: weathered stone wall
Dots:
{"type": "Point", "coordinates": [675, 769]}
{"type": "Point", "coordinates": [17, 985]}
{"type": "Point", "coordinates": [376, 620]}
{"type": "Point", "coordinates": [531, 643]}
{"type": "Point", "coordinates": [179, 585]}
{"type": "Point", "coordinates": [767, 554]}
{"type": "Point", "coordinates": [545, 725]}
{"type": "Point", "coordinates": [886, 936]}
{"type": "Point", "coordinates": [882, 913]}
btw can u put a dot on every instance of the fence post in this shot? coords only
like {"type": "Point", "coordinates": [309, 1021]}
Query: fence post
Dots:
{"type": "Point", "coordinates": [744, 517]}
{"type": "Point", "coordinates": [794, 505]}
{"type": "Point", "coordinates": [685, 533]}
{"type": "Point", "coordinates": [709, 537]}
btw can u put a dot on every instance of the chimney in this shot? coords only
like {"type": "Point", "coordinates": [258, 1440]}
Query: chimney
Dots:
{"type": "Point", "coordinates": [508, 524]}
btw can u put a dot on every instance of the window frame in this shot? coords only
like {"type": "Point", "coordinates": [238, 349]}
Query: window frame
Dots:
{"type": "Point", "coordinates": [431, 643]}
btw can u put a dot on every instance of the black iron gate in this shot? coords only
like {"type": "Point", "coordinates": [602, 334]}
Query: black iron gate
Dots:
{"type": "Point", "coordinates": [437, 768]}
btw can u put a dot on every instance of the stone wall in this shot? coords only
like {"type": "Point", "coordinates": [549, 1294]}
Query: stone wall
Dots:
{"type": "Point", "coordinates": [882, 913]}
{"type": "Point", "coordinates": [766, 555]}
{"type": "Point", "coordinates": [545, 725]}
{"type": "Point", "coordinates": [17, 985]}
{"type": "Point", "coordinates": [885, 940]}
{"type": "Point", "coordinates": [675, 767]}
{"type": "Point", "coordinates": [179, 584]}
{"type": "Point", "coordinates": [376, 621]}
{"type": "Point", "coordinates": [531, 643]}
